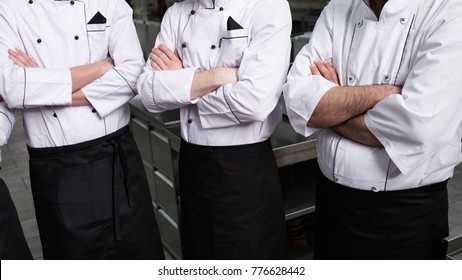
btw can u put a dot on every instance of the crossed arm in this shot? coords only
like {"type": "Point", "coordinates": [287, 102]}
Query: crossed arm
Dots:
{"type": "Point", "coordinates": [343, 108]}
{"type": "Point", "coordinates": [162, 58]}
{"type": "Point", "coordinates": [81, 75]}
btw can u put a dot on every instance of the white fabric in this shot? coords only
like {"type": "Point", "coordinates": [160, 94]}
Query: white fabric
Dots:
{"type": "Point", "coordinates": [44, 93]}
{"type": "Point", "coordinates": [6, 124]}
{"type": "Point", "coordinates": [415, 44]}
{"type": "Point", "coordinates": [241, 113]}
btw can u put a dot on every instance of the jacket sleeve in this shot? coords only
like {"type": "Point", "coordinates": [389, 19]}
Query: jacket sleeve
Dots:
{"type": "Point", "coordinates": [262, 72]}
{"type": "Point", "coordinates": [6, 122]}
{"type": "Point", "coordinates": [117, 86]}
{"type": "Point", "coordinates": [427, 116]}
{"type": "Point", "coordinates": [160, 90]}
{"type": "Point", "coordinates": [303, 91]}
{"type": "Point", "coordinates": [28, 87]}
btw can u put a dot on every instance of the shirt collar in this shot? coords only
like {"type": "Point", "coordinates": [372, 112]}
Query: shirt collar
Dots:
{"type": "Point", "coordinates": [391, 8]}
{"type": "Point", "coordinates": [209, 4]}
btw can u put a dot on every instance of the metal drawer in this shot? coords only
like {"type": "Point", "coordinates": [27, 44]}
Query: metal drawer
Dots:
{"type": "Point", "coordinates": [161, 154]}
{"type": "Point", "coordinates": [151, 181]}
{"type": "Point", "coordinates": [166, 195]}
{"type": "Point", "coordinates": [140, 130]}
{"type": "Point", "coordinates": [169, 233]}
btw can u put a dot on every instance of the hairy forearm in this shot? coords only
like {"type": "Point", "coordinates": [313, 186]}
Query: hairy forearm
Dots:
{"type": "Point", "coordinates": [355, 129]}
{"type": "Point", "coordinates": [208, 81]}
{"type": "Point", "coordinates": [340, 104]}
{"type": "Point", "coordinates": [85, 74]}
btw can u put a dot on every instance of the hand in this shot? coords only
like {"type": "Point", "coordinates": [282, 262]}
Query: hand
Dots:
{"type": "Point", "coordinates": [325, 69]}
{"type": "Point", "coordinates": [21, 59]}
{"type": "Point", "coordinates": [162, 58]}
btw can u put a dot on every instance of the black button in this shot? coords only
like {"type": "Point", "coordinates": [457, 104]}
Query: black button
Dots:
{"type": "Point", "coordinates": [72, 2]}
{"type": "Point", "coordinates": [93, 111]}
{"type": "Point", "coordinates": [189, 121]}
{"type": "Point", "coordinates": [193, 12]}
{"type": "Point", "coordinates": [221, 9]}
{"type": "Point", "coordinates": [76, 37]}
{"type": "Point", "coordinates": [183, 45]}
{"type": "Point", "coordinates": [54, 115]}
{"type": "Point", "coordinates": [30, 1]}
{"type": "Point", "coordinates": [213, 47]}
{"type": "Point", "coordinates": [39, 41]}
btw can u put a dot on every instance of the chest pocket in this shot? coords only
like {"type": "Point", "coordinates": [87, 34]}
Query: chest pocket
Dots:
{"type": "Point", "coordinates": [98, 36]}
{"type": "Point", "coordinates": [232, 46]}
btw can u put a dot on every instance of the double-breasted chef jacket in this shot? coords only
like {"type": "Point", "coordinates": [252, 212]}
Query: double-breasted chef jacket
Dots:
{"type": "Point", "coordinates": [415, 44]}
{"type": "Point", "coordinates": [251, 35]}
{"type": "Point", "coordinates": [90, 31]}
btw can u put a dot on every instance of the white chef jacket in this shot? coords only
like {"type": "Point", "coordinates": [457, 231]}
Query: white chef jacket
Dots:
{"type": "Point", "coordinates": [417, 45]}
{"type": "Point", "coordinates": [6, 124]}
{"type": "Point", "coordinates": [59, 35]}
{"type": "Point", "coordinates": [241, 113]}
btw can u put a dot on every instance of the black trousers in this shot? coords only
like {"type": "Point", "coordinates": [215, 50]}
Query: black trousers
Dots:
{"type": "Point", "coordinates": [358, 224]}
{"type": "Point", "coordinates": [92, 200]}
{"type": "Point", "coordinates": [13, 245]}
{"type": "Point", "coordinates": [231, 203]}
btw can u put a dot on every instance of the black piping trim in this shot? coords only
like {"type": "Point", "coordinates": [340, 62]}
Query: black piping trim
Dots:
{"type": "Point", "coordinates": [231, 38]}
{"type": "Point", "coordinates": [405, 45]}
{"type": "Point", "coordinates": [152, 90]}
{"type": "Point", "coordinates": [25, 84]}
{"type": "Point", "coordinates": [86, 28]}
{"type": "Point", "coordinates": [133, 91]}
{"type": "Point", "coordinates": [102, 30]}
{"type": "Point", "coordinates": [6, 116]}
{"type": "Point", "coordinates": [224, 95]}
{"type": "Point", "coordinates": [335, 157]}
{"type": "Point", "coordinates": [386, 178]}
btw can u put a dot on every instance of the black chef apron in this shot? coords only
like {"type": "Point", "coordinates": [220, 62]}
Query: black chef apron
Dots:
{"type": "Point", "coordinates": [92, 200]}
{"type": "Point", "coordinates": [13, 245]}
{"type": "Point", "coordinates": [359, 224]}
{"type": "Point", "coordinates": [231, 203]}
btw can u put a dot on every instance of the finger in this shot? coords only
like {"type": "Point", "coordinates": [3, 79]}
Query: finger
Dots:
{"type": "Point", "coordinates": [155, 66]}
{"type": "Point", "coordinates": [323, 69]}
{"type": "Point", "coordinates": [16, 61]}
{"type": "Point", "coordinates": [16, 58]}
{"type": "Point", "coordinates": [159, 53]}
{"type": "Point", "coordinates": [25, 58]}
{"type": "Point", "coordinates": [171, 55]}
{"type": "Point", "coordinates": [314, 70]}
{"type": "Point", "coordinates": [332, 72]}
{"type": "Point", "coordinates": [158, 61]}
{"type": "Point", "coordinates": [176, 54]}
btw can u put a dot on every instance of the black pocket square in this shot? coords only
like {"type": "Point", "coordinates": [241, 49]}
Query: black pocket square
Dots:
{"type": "Point", "coordinates": [98, 18]}
{"type": "Point", "coordinates": [233, 25]}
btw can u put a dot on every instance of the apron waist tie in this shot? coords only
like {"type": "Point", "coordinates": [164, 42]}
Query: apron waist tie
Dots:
{"type": "Point", "coordinates": [119, 153]}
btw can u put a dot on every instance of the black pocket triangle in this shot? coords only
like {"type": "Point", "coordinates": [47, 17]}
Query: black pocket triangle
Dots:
{"type": "Point", "coordinates": [233, 25]}
{"type": "Point", "coordinates": [97, 19]}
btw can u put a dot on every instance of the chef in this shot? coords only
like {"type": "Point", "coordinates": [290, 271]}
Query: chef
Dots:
{"type": "Point", "coordinates": [223, 63]}
{"type": "Point", "coordinates": [90, 191]}
{"type": "Point", "coordinates": [13, 244]}
{"type": "Point", "coordinates": [381, 82]}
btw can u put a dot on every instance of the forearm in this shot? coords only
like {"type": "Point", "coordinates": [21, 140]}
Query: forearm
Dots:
{"type": "Point", "coordinates": [355, 129]}
{"type": "Point", "coordinates": [79, 99]}
{"type": "Point", "coordinates": [208, 81]}
{"type": "Point", "coordinates": [83, 75]}
{"type": "Point", "coordinates": [340, 104]}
